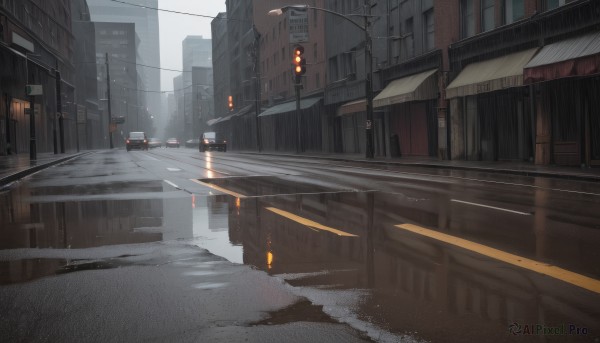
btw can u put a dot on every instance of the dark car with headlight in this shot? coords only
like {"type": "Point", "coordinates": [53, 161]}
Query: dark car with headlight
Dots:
{"type": "Point", "coordinates": [210, 141]}
{"type": "Point", "coordinates": [172, 143]}
{"type": "Point", "coordinates": [136, 140]}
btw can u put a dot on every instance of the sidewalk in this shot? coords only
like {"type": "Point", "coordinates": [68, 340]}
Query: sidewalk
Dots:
{"type": "Point", "coordinates": [503, 167]}
{"type": "Point", "coordinates": [15, 167]}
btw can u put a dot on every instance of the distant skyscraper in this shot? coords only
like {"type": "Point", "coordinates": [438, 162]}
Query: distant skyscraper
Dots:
{"type": "Point", "coordinates": [147, 29]}
{"type": "Point", "coordinates": [197, 52]}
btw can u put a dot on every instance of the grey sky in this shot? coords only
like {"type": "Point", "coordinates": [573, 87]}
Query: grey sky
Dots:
{"type": "Point", "coordinates": [175, 27]}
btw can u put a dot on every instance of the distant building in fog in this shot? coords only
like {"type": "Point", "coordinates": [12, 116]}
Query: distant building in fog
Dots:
{"type": "Point", "coordinates": [147, 29]}
{"type": "Point", "coordinates": [119, 41]}
{"type": "Point", "coordinates": [220, 64]}
{"type": "Point", "coordinates": [197, 52]}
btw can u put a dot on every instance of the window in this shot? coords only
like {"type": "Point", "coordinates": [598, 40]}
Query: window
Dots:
{"type": "Point", "coordinates": [429, 30]}
{"type": "Point", "coordinates": [552, 4]}
{"type": "Point", "coordinates": [513, 10]}
{"type": "Point", "coordinates": [467, 19]}
{"type": "Point", "coordinates": [408, 43]}
{"type": "Point", "coordinates": [333, 69]}
{"type": "Point", "coordinates": [487, 15]}
{"type": "Point", "coordinates": [315, 53]}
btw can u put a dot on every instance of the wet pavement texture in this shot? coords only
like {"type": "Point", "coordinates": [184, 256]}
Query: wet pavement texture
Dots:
{"type": "Point", "coordinates": [337, 236]}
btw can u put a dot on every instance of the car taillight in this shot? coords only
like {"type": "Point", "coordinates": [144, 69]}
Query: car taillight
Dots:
{"type": "Point", "coordinates": [128, 141]}
{"type": "Point", "coordinates": [145, 141]}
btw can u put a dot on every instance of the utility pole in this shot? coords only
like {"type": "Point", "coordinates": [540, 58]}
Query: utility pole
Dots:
{"type": "Point", "coordinates": [370, 153]}
{"type": "Point", "coordinates": [57, 94]}
{"type": "Point", "coordinates": [108, 103]}
{"type": "Point", "coordinates": [32, 145]}
{"type": "Point", "coordinates": [257, 86]}
{"type": "Point", "coordinates": [61, 124]}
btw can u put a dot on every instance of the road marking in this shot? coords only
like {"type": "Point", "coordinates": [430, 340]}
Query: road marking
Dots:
{"type": "Point", "coordinates": [173, 169]}
{"type": "Point", "coordinates": [220, 189]}
{"type": "Point", "coordinates": [492, 207]}
{"type": "Point", "coordinates": [151, 158]}
{"type": "Point", "coordinates": [171, 183]}
{"type": "Point", "coordinates": [307, 222]}
{"type": "Point", "coordinates": [539, 267]}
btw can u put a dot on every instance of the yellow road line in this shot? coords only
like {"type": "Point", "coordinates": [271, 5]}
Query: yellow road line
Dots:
{"type": "Point", "coordinates": [220, 189]}
{"type": "Point", "coordinates": [308, 222]}
{"type": "Point", "coordinates": [540, 267]}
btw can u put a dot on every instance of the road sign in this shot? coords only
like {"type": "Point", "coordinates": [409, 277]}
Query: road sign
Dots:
{"type": "Point", "coordinates": [118, 120]}
{"type": "Point", "coordinates": [298, 26]}
{"type": "Point", "coordinates": [33, 90]}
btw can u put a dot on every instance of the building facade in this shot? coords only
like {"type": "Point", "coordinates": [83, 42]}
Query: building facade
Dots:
{"type": "Point", "coordinates": [93, 127]}
{"type": "Point", "coordinates": [117, 41]}
{"type": "Point", "coordinates": [220, 45]}
{"type": "Point", "coordinates": [147, 29]}
{"type": "Point", "coordinates": [37, 48]}
{"type": "Point", "coordinates": [197, 52]}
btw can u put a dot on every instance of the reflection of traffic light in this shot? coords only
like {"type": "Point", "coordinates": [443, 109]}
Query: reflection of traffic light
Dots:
{"type": "Point", "coordinates": [299, 63]}
{"type": "Point", "coordinates": [230, 103]}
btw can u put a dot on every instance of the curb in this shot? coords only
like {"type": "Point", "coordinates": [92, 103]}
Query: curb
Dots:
{"type": "Point", "coordinates": [28, 171]}
{"type": "Point", "coordinates": [532, 173]}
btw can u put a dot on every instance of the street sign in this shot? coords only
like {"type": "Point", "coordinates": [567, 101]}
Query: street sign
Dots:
{"type": "Point", "coordinates": [33, 90]}
{"type": "Point", "coordinates": [298, 26]}
{"type": "Point", "coordinates": [118, 120]}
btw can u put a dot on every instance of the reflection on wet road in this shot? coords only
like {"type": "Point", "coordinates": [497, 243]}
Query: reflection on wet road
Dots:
{"type": "Point", "coordinates": [389, 252]}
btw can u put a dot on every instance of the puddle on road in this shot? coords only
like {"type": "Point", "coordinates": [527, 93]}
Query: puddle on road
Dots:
{"type": "Point", "coordinates": [340, 243]}
{"type": "Point", "coordinates": [26, 270]}
{"type": "Point", "coordinates": [302, 311]}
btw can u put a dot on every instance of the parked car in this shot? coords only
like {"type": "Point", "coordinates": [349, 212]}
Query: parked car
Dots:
{"type": "Point", "coordinates": [154, 143]}
{"type": "Point", "coordinates": [136, 140]}
{"type": "Point", "coordinates": [210, 141]}
{"type": "Point", "coordinates": [192, 143]}
{"type": "Point", "coordinates": [172, 143]}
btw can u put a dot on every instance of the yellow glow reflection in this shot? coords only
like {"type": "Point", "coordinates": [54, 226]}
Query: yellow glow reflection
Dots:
{"type": "Point", "coordinates": [209, 172]}
{"type": "Point", "coordinates": [269, 260]}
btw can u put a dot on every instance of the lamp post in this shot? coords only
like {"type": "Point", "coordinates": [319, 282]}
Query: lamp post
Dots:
{"type": "Point", "coordinates": [370, 152]}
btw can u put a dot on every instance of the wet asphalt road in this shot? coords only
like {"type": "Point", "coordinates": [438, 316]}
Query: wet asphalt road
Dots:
{"type": "Point", "coordinates": [174, 245]}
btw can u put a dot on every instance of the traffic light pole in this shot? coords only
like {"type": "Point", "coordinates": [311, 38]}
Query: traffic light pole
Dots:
{"type": "Point", "coordinates": [108, 103]}
{"type": "Point", "coordinates": [298, 86]}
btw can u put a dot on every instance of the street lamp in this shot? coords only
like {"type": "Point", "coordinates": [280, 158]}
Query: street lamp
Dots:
{"type": "Point", "coordinates": [368, 61]}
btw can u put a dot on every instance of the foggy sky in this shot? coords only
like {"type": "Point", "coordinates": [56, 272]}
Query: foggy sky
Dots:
{"type": "Point", "coordinates": [175, 27]}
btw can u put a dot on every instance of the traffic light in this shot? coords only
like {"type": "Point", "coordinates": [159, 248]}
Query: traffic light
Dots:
{"type": "Point", "coordinates": [230, 103]}
{"type": "Point", "coordinates": [299, 63]}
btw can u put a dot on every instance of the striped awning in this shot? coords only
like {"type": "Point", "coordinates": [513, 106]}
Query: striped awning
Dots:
{"type": "Point", "coordinates": [490, 75]}
{"type": "Point", "coordinates": [352, 107]}
{"type": "Point", "coordinates": [578, 56]}
{"type": "Point", "coordinates": [422, 86]}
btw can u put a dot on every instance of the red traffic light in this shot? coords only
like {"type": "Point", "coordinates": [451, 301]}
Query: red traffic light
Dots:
{"type": "Point", "coordinates": [299, 61]}
{"type": "Point", "coordinates": [230, 102]}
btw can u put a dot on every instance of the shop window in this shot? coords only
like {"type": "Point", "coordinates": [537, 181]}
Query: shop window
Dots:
{"type": "Point", "coordinates": [467, 19]}
{"type": "Point", "coordinates": [513, 10]}
{"type": "Point", "coordinates": [552, 4]}
{"type": "Point", "coordinates": [487, 15]}
{"type": "Point", "coordinates": [429, 30]}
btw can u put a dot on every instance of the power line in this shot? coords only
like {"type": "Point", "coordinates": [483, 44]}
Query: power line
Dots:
{"type": "Point", "coordinates": [154, 67]}
{"type": "Point", "coordinates": [176, 12]}
{"type": "Point", "coordinates": [152, 91]}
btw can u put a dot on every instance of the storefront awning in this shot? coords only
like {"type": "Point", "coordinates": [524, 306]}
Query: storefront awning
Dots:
{"type": "Point", "coordinates": [289, 107]}
{"type": "Point", "coordinates": [491, 75]}
{"type": "Point", "coordinates": [422, 86]}
{"type": "Point", "coordinates": [352, 107]}
{"type": "Point", "coordinates": [212, 121]}
{"type": "Point", "coordinates": [579, 56]}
